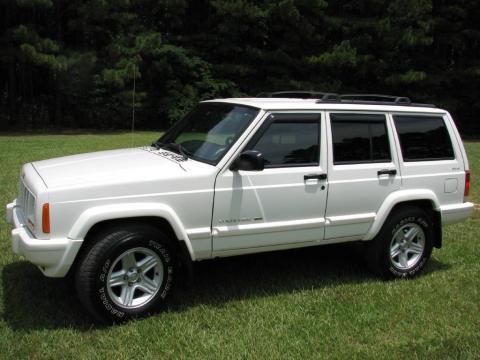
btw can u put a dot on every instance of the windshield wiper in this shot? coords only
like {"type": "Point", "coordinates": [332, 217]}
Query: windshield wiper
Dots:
{"type": "Point", "coordinates": [157, 144]}
{"type": "Point", "coordinates": [175, 147]}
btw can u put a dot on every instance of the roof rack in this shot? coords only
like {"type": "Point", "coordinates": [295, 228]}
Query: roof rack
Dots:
{"type": "Point", "coordinates": [299, 95]}
{"type": "Point", "coordinates": [325, 97]}
{"type": "Point", "coordinates": [376, 98]}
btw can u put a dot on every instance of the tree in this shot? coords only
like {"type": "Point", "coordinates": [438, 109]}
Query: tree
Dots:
{"type": "Point", "coordinates": [72, 63]}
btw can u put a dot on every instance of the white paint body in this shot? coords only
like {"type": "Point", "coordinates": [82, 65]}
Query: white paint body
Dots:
{"type": "Point", "coordinates": [219, 212]}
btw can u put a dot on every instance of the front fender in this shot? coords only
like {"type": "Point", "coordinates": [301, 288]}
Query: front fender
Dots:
{"type": "Point", "coordinates": [395, 198]}
{"type": "Point", "coordinates": [98, 214]}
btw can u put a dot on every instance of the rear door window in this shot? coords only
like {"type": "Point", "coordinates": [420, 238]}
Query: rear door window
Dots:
{"type": "Point", "coordinates": [359, 138]}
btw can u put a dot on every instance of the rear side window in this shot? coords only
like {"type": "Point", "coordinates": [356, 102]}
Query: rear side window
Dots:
{"type": "Point", "coordinates": [423, 138]}
{"type": "Point", "coordinates": [288, 140]}
{"type": "Point", "coordinates": [359, 138]}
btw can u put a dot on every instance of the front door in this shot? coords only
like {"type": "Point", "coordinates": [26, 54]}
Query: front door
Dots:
{"type": "Point", "coordinates": [285, 203]}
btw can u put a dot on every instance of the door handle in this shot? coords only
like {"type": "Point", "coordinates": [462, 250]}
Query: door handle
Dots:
{"type": "Point", "coordinates": [315, 176]}
{"type": "Point", "coordinates": [387, 172]}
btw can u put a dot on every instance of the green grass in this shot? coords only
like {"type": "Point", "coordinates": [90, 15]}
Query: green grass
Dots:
{"type": "Point", "coordinates": [310, 303]}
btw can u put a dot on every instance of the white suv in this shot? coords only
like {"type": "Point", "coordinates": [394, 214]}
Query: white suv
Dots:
{"type": "Point", "coordinates": [240, 176]}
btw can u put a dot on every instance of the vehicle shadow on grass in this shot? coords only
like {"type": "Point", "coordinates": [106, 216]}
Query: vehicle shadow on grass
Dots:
{"type": "Point", "coordinates": [267, 274]}
{"type": "Point", "coordinates": [32, 301]}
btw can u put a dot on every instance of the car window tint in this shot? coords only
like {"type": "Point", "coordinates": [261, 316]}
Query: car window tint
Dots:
{"type": "Point", "coordinates": [288, 142]}
{"type": "Point", "coordinates": [423, 138]}
{"type": "Point", "coordinates": [359, 138]}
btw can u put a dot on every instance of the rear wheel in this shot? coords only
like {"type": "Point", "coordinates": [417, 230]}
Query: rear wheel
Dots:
{"type": "Point", "coordinates": [126, 273]}
{"type": "Point", "coordinates": [403, 245]}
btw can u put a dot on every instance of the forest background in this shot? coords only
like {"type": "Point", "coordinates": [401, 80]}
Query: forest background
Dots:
{"type": "Point", "coordinates": [70, 64]}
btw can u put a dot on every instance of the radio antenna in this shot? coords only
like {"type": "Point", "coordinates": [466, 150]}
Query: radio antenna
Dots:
{"type": "Point", "coordinates": [133, 103]}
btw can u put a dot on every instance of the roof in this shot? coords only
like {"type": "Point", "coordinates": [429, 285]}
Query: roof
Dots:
{"type": "Point", "coordinates": [312, 104]}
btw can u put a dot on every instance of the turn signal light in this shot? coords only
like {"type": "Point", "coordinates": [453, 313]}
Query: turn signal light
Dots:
{"type": "Point", "coordinates": [467, 183]}
{"type": "Point", "coordinates": [46, 218]}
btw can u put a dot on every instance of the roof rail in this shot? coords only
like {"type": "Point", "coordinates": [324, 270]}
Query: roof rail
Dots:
{"type": "Point", "coordinates": [376, 98]}
{"type": "Point", "coordinates": [325, 97]}
{"type": "Point", "coordinates": [300, 94]}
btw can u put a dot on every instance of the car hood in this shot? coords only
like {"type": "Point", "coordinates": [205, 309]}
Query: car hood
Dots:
{"type": "Point", "coordinates": [113, 167]}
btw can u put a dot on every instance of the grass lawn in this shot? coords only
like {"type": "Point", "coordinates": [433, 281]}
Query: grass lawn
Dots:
{"type": "Point", "coordinates": [311, 303]}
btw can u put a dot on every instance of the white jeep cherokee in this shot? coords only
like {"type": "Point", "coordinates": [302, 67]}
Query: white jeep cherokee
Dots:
{"type": "Point", "coordinates": [240, 176]}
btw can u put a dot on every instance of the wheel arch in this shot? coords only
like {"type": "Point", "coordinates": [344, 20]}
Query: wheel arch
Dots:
{"type": "Point", "coordinates": [423, 199]}
{"type": "Point", "coordinates": [95, 219]}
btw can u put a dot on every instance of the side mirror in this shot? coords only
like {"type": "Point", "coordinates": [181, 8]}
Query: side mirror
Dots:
{"type": "Point", "coordinates": [249, 160]}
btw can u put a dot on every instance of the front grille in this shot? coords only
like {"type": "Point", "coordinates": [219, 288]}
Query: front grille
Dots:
{"type": "Point", "coordinates": [26, 200]}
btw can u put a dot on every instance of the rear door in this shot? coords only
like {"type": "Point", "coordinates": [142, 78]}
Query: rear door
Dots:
{"type": "Point", "coordinates": [363, 169]}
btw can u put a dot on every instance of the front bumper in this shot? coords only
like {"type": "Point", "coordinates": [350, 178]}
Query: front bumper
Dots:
{"type": "Point", "coordinates": [54, 257]}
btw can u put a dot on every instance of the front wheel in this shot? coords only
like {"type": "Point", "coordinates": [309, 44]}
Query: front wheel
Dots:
{"type": "Point", "coordinates": [403, 245]}
{"type": "Point", "coordinates": [126, 273]}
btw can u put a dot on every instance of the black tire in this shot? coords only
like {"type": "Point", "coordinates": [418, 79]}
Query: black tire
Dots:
{"type": "Point", "coordinates": [98, 260]}
{"type": "Point", "coordinates": [378, 255]}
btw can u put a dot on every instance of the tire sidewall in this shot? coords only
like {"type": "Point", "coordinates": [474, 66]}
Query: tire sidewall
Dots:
{"type": "Point", "coordinates": [417, 217]}
{"type": "Point", "coordinates": [102, 301]}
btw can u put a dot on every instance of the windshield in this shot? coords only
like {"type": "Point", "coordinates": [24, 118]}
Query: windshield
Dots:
{"type": "Point", "coordinates": [209, 130]}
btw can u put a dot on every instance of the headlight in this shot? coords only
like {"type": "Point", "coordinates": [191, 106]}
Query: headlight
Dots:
{"type": "Point", "coordinates": [27, 203]}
